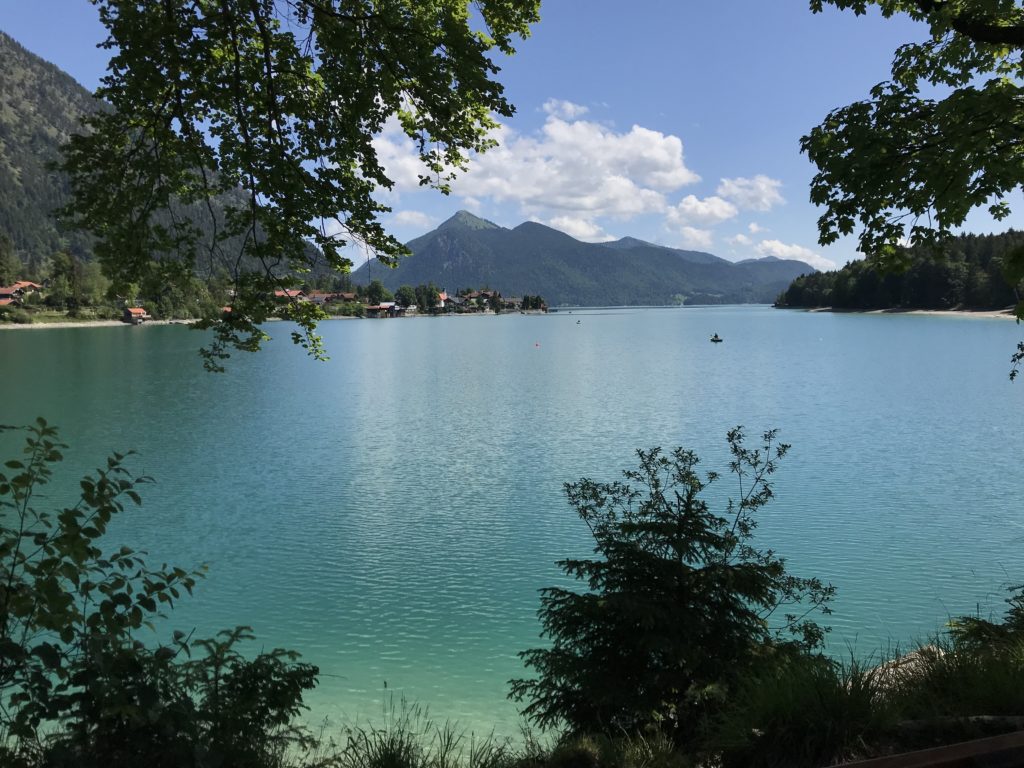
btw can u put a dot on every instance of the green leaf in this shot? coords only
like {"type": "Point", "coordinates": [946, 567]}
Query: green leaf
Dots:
{"type": "Point", "coordinates": [48, 654]}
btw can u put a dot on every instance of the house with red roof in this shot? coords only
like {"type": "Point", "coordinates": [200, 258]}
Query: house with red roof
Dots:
{"type": "Point", "coordinates": [328, 297]}
{"type": "Point", "coordinates": [320, 297]}
{"type": "Point", "coordinates": [135, 315]}
{"type": "Point", "coordinates": [16, 292]}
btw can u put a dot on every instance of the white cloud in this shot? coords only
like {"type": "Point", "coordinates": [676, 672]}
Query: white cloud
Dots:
{"type": "Point", "coordinates": [581, 229]}
{"type": "Point", "coordinates": [414, 219]}
{"type": "Point", "coordinates": [580, 168]}
{"type": "Point", "coordinates": [754, 227]}
{"type": "Point", "coordinates": [792, 251]}
{"type": "Point", "coordinates": [707, 212]}
{"type": "Point", "coordinates": [564, 109]}
{"type": "Point", "coordinates": [693, 237]}
{"type": "Point", "coordinates": [740, 239]}
{"type": "Point", "coordinates": [397, 157]}
{"type": "Point", "coordinates": [759, 193]}
{"type": "Point", "coordinates": [578, 175]}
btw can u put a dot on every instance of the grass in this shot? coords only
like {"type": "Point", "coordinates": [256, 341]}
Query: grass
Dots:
{"type": "Point", "coordinates": [811, 711]}
{"type": "Point", "coordinates": [48, 316]}
{"type": "Point", "coordinates": [801, 712]}
{"type": "Point", "coordinates": [83, 315]}
{"type": "Point", "coordinates": [408, 737]}
{"type": "Point", "coordinates": [807, 711]}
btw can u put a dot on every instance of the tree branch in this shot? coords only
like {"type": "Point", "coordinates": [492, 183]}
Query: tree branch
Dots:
{"type": "Point", "coordinates": [977, 28]}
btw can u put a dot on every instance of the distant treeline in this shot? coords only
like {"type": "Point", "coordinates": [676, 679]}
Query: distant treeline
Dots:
{"type": "Point", "coordinates": [967, 273]}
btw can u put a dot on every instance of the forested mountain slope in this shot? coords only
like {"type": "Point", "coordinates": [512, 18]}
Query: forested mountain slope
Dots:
{"type": "Point", "coordinates": [968, 273]}
{"type": "Point", "coordinates": [39, 108]}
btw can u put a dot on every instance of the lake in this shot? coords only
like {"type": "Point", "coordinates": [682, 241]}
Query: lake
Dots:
{"type": "Point", "coordinates": [393, 512]}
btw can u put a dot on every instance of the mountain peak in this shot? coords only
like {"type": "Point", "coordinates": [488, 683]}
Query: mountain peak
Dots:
{"type": "Point", "coordinates": [466, 220]}
{"type": "Point", "coordinates": [631, 242]}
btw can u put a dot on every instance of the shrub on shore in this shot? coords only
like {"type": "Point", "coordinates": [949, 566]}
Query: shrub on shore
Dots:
{"type": "Point", "coordinates": [10, 314]}
{"type": "Point", "coordinates": [815, 711]}
{"type": "Point", "coordinates": [678, 604]}
{"type": "Point", "coordinates": [78, 687]}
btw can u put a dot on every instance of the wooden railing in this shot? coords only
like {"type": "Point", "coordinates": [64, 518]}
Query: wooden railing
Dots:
{"type": "Point", "coordinates": [1002, 751]}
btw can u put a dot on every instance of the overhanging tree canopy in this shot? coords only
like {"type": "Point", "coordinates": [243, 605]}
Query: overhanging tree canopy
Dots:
{"type": "Point", "coordinates": [902, 159]}
{"type": "Point", "coordinates": [252, 121]}
{"type": "Point", "coordinates": [943, 137]}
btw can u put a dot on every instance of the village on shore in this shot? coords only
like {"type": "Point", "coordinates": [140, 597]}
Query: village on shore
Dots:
{"type": "Point", "coordinates": [25, 302]}
{"type": "Point", "coordinates": [375, 301]}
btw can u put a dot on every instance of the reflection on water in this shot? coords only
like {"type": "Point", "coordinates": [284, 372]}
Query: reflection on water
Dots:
{"type": "Point", "coordinates": [392, 513]}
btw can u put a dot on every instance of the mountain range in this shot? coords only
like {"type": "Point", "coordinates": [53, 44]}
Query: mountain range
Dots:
{"type": "Point", "coordinates": [40, 106]}
{"type": "Point", "coordinates": [469, 252]}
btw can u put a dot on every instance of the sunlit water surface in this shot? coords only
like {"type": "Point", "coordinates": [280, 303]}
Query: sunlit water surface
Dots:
{"type": "Point", "coordinates": [392, 513]}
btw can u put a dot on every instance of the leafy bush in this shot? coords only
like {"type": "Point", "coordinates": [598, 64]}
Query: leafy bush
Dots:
{"type": "Point", "coordinates": [805, 711]}
{"type": "Point", "coordinates": [346, 309]}
{"type": "Point", "coordinates": [77, 686]}
{"type": "Point", "coordinates": [976, 632]}
{"type": "Point", "coordinates": [677, 604]}
{"type": "Point", "coordinates": [810, 711]}
{"type": "Point", "coordinates": [947, 680]}
{"type": "Point", "coordinates": [9, 314]}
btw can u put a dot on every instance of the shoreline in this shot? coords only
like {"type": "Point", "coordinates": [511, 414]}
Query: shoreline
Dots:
{"type": "Point", "coordinates": [1006, 314]}
{"type": "Point", "coordinates": [86, 324]}
{"type": "Point", "coordinates": [120, 323]}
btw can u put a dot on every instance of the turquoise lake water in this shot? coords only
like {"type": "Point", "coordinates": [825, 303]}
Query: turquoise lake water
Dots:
{"type": "Point", "coordinates": [393, 512]}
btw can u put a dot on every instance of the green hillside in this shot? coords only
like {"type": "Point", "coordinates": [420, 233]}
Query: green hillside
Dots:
{"type": "Point", "coordinates": [467, 251]}
{"type": "Point", "coordinates": [39, 108]}
{"type": "Point", "coordinates": [968, 273]}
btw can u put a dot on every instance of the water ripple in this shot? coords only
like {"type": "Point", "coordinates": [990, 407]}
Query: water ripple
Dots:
{"type": "Point", "coordinates": [393, 512]}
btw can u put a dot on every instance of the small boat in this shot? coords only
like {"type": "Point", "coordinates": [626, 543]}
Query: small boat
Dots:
{"type": "Point", "coordinates": [716, 339]}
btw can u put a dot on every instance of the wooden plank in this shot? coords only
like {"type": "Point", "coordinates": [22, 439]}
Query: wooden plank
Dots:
{"type": "Point", "coordinates": [1002, 751]}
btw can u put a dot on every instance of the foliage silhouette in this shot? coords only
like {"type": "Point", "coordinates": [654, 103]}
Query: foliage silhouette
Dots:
{"type": "Point", "coordinates": [271, 107]}
{"type": "Point", "coordinates": [679, 603]}
{"type": "Point", "coordinates": [78, 686]}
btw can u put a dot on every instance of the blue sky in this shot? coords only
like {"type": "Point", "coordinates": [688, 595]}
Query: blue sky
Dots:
{"type": "Point", "coordinates": [675, 122]}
